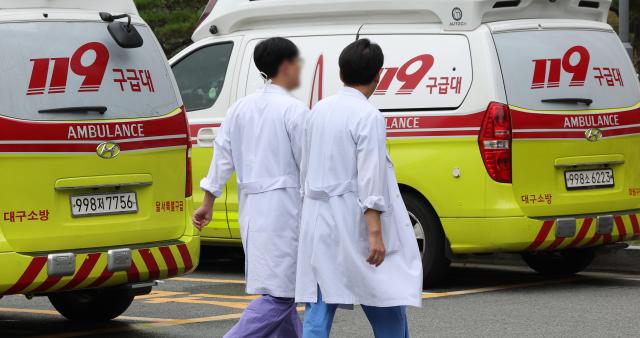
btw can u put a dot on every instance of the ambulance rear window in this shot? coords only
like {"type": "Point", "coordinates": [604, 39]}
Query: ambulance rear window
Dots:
{"type": "Point", "coordinates": [563, 69]}
{"type": "Point", "coordinates": [76, 71]}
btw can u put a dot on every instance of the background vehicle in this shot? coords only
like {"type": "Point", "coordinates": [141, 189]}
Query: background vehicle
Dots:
{"type": "Point", "coordinates": [513, 125]}
{"type": "Point", "coordinates": [96, 190]}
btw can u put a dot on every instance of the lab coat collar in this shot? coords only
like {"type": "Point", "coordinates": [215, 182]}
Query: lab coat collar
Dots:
{"type": "Point", "coordinates": [275, 89]}
{"type": "Point", "coordinates": [352, 92]}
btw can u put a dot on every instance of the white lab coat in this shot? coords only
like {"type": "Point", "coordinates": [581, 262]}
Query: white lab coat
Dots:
{"type": "Point", "coordinates": [346, 170]}
{"type": "Point", "coordinates": [261, 139]}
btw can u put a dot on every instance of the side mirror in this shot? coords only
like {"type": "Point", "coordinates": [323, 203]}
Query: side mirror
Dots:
{"type": "Point", "coordinates": [125, 34]}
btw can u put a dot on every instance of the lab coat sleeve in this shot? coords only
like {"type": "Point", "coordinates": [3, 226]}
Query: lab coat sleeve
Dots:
{"type": "Point", "coordinates": [371, 153]}
{"type": "Point", "coordinates": [295, 128]}
{"type": "Point", "coordinates": [304, 161]}
{"type": "Point", "coordinates": [222, 164]}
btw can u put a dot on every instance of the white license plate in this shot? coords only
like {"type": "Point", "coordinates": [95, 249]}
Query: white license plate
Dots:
{"type": "Point", "coordinates": [589, 179]}
{"type": "Point", "coordinates": [104, 204]}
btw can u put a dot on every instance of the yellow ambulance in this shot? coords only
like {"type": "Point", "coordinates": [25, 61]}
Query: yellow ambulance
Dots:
{"type": "Point", "coordinates": [514, 126]}
{"type": "Point", "coordinates": [94, 155]}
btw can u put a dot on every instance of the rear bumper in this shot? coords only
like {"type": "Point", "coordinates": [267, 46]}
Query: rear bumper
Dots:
{"type": "Point", "coordinates": [518, 234]}
{"type": "Point", "coordinates": [27, 274]}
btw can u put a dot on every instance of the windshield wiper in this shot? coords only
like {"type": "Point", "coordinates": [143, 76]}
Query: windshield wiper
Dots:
{"type": "Point", "coordinates": [71, 110]}
{"type": "Point", "coordinates": [575, 100]}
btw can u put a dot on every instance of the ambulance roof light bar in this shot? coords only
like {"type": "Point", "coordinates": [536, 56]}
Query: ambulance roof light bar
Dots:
{"type": "Point", "coordinates": [455, 15]}
{"type": "Point", "coordinates": [112, 6]}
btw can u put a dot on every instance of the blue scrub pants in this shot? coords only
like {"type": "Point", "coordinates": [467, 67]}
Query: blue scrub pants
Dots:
{"type": "Point", "coordinates": [386, 322]}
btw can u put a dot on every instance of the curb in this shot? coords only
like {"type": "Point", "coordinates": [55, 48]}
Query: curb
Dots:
{"type": "Point", "coordinates": [626, 261]}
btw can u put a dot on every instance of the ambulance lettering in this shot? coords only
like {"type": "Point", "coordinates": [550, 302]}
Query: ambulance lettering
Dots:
{"type": "Point", "coordinates": [547, 73]}
{"type": "Point", "coordinates": [92, 73]}
{"type": "Point", "coordinates": [413, 73]}
{"type": "Point", "coordinates": [101, 131]}
{"type": "Point", "coordinates": [403, 123]}
{"type": "Point", "coordinates": [598, 121]}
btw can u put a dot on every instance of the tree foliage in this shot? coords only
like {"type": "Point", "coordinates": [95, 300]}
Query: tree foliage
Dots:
{"type": "Point", "coordinates": [634, 17]}
{"type": "Point", "coordinates": [173, 21]}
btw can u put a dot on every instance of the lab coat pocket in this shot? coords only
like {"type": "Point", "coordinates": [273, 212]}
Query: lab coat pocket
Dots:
{"type": "Point", "coordinates": [390, 233]}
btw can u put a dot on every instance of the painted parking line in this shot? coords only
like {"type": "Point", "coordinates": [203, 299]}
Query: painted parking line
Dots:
{"type": "Point", "coordinates": [145, 326]}
{"type": "Point", "coordinates": [240, 302]}
{"type": "Point", "coordinates": [428, 295]}
{"type": "Point", "coordinates": [207, 280]}
{"type": "Point", "coordinates": [55, 313]}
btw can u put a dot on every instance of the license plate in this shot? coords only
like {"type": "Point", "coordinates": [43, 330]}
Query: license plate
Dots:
{"type": "Point", "coordinates": [589, 179]}
{"type": "Point", "coordinates": [104, 204]}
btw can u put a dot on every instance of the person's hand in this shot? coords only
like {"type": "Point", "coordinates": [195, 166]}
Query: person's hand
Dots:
{"type": "Point", "coordinates": [201, 217]}
{"type": "Point", "coordinates": [376, 249]}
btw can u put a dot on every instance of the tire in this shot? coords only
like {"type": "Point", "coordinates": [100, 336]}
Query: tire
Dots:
{"type": "Point", "coordinates": [559, 263]}
{"type": "Point", "coordinates": [431, 240]}
{"type": "Point", "coordinates": [92, 305]}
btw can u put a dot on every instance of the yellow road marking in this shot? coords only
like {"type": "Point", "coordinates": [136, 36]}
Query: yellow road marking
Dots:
{"type": "Point", "coordinates": [55, 313]}
{"type": "Point", "coordinates": [157, 323]}
{"type": "Point", "coordinates": [207, 295]}
{"type": "Point", "coordinates": [208, 280]}
{"type": "Point", "coordinates": [155, 294]}
{"type": "Point", "coordinates": [145, 326]}
{"type": "Point", "coordinates": [198, 300]}
{"type": "Point", "coordinates": [428, 295]}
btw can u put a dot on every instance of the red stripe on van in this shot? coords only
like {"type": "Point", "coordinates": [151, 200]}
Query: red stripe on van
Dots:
{"type": "Point", "coordinates": [594, 240]}
{"type": "Point", "coordinates": [584, 229]}
{"type": "Point", "coordinates": [47, 284]}
{"type": "Point", "coordinates": [84, 271]}
{"type": "Point", "coordinates": [542, 235]}
{"type": "Point", "coordinates": [89, 147]}
{"type": "Point", "coordinates": [635, 225]}
{"type": "Point", "coordinates": [150, 262]}
{"type": "Point", "coordinates": [556, 243]}
{"type": "Point", "coordinates": [104, 276]}
{"type": "Point", "coordinates": [29, 275]}
{"type": "Point", "coordinates": [169, 260]}
{"type": "Point", "coordinates": [186, 257]}
{"type": "Point", "coordinates": [83, 136]}
{"type": "Point", "coordinates": [133, 275]}
{"type": "Point", "coordinates": [622, 231]}
{"type": "Point", "coordinates": [541, 125]}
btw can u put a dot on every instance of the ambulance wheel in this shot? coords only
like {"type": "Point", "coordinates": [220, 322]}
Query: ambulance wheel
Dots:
{"type": "Point", "coordinates": [431, 240]}
{"type": "Point", "coordinates": [559, 263]}
{"type": "Point", "coordinates": [92, 305]}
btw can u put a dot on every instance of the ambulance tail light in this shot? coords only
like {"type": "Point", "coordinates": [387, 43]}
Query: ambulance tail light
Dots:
{"type": "Point", "coordinates": [495, 142]}
{"type": "Point", "coordinates": [205, 13]}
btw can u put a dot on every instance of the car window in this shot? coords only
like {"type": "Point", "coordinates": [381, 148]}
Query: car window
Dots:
{"type": "Point", "coordinates": [57, 70]}
{"type": "Point", "coordinates": [200, 75]}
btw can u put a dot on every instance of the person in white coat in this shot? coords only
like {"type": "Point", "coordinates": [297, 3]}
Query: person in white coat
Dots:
{"type": "Point", "coordinates": [261, 140]}
{"type": "Point", "coordinates": [357, 244]}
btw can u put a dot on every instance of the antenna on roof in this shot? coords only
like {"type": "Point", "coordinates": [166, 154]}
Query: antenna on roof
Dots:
{"type": "Point", "coordinates": [358, 34]}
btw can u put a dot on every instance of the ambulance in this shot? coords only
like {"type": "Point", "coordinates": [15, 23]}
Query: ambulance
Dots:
{"type": "Point", "coordinates": [514, 126]}
{"type": "Point", "coordinates": [94, 155]}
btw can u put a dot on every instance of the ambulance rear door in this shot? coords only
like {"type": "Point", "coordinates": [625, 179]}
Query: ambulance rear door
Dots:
{"type": "Point", "coordinates": [574, 100]}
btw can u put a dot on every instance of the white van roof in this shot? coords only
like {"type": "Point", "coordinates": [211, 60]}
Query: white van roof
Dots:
{"type": "Point", "coordinates": [111, 6]}
{"type": "Point", "coordinates": [234, 15]}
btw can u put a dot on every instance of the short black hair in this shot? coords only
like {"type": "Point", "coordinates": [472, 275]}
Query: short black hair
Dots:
{"type": "Point", "coordinates": [360, 62]}
{"type": "Point", "coordinates": [271, 53]}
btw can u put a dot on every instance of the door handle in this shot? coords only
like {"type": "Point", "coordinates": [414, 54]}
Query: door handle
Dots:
{"type": "Point", "coordinates": [206, 137]}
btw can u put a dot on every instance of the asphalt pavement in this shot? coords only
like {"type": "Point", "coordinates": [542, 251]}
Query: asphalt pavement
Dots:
{"type": "Point", "coordinates": [478, 301]}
